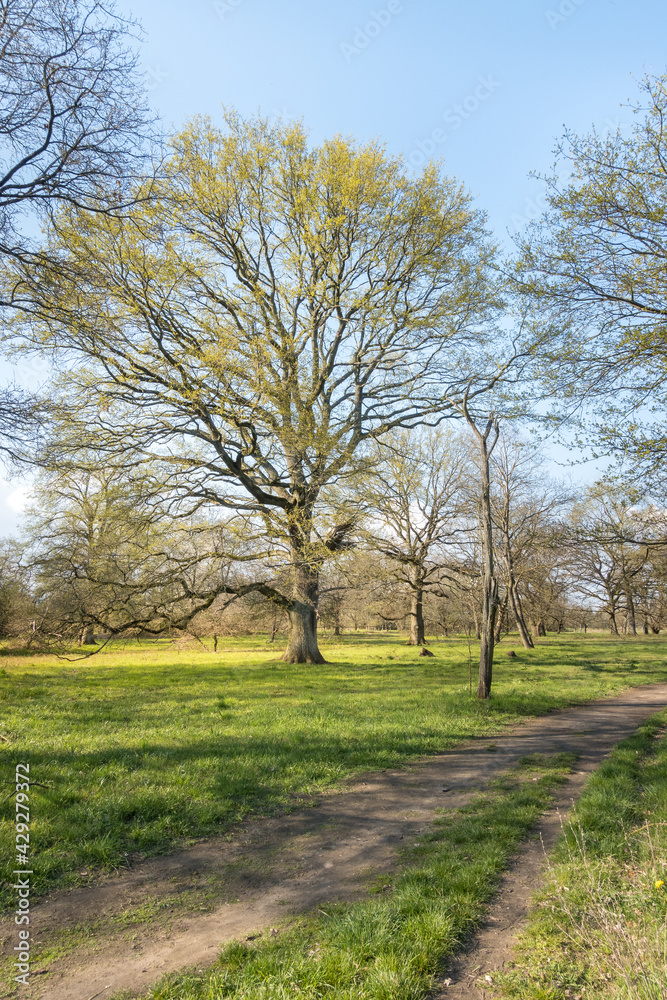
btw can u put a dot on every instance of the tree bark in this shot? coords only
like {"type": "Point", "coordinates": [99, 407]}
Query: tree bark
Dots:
{"type": "Point", "coordinates": [416, 613]}
{"type": "Point", "coordinates": [517, 611]}
{"type": "Point", "coordinates": [489, 581]}
{"type": "Point", "coordinates": [302, 640]}
{"type": "Point", "coordinates": [87, 636]}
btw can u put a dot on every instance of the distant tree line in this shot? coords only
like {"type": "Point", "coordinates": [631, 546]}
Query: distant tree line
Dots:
{"type": "Point", "coordinates": [100, 558]}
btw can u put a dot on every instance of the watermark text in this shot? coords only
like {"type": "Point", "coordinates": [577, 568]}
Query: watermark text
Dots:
{"type": "Point", "coordinates": [22, 874]}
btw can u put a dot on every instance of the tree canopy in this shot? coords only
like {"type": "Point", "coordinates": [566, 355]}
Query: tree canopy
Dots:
{"type": "Point", "coordinates": [268, 313]}
{"type": "Point", "coordinates": [596, 266]}
{"type": "Point", "coordinates": [74, 129]}
{"type": "Point", "coordinates": [73, 119]}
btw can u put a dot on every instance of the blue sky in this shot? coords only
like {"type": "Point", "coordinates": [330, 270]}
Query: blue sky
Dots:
{"type": "Point", "coordinates": [489, 87]}
{"type": "Point", "coordinates": [517, 72]}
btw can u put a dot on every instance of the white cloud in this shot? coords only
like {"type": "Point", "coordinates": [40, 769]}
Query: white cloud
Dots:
{"type": "Point", "coordinates": [18, 499]}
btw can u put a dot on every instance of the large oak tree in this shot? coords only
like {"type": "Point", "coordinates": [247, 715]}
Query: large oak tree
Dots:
{"type": "Point", "coordinates": [274, 309]}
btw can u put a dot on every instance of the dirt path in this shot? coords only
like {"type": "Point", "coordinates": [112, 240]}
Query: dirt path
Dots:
{"type": "Point", "coordinates": [217, 890]}
{"type": "Point", "coordinates": [491, 948]}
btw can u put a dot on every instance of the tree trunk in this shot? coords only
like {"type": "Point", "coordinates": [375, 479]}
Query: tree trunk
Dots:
{"type": "Point", "coordinates": [487, 639]}
{"type": "Point", "coordinates": [302, 640]}
{"type": "Point", "coordinates": [416, 613]}
{"type": "Point", "coordinates": [512, 586]}
{"type": "Point", "coordinates": [500, 620]}
{"type": "Point", "coordinates": [489, 581]}
{"type": "Point", "coordinates": [517, 611]}
{"type": "Point", "coordinates": [87, 636]}
{"type": "Point", "coordinates": [631, 622]}
{"type": "Point", "coordinates": [538, 629]}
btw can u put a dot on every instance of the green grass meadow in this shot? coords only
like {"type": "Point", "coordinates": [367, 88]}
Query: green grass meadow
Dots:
{"type": "Point", "coordinates": [145, 746]}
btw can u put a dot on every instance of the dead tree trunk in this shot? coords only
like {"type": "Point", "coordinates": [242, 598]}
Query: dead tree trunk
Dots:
{"type": "Point", "coordinates": [487, 441]}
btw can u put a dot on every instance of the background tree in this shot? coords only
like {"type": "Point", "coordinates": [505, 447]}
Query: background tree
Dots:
{"type": "Point", "coordinates": [417, 500]}
{"type": "Point", "coordinates": [17, 607]}
{"type": "Point", "coordinates": [74, 129]}
{"type": "Point", "coordinates": [548, 583]}
{"type": "Point", "coordinates": [486, 441]}
{"type": "Point", "coordinates": [616, 549]}
{"type": "Point", "coordinates": [104, 558]}
{"type": "Point", "coordinates": [344, 590]}
{"type": "Point", "coordinates": [272, 311]}
{"type": "Point", "coordinates": [524, 502]}
{"type": "Point", "coordinates": [596, 267]}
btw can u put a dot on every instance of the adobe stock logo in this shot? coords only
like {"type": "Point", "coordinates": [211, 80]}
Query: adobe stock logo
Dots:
{"type": "Point", "coordinates": [453, 117]}
{"type": "Point", "coordinates": [565, 9]}
{"type": "Point", "coordinates": [374, 26]}
{"type": "Point", "coordinates": [224, 7]}
{"type": "Point", "coordinates": [154, 77]}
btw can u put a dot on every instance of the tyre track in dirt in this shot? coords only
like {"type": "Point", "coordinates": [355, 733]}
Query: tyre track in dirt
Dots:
{"type": "Point", "coordinates": [280, 867]}
{"type": "Point", "coordinates": [491, 948]}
